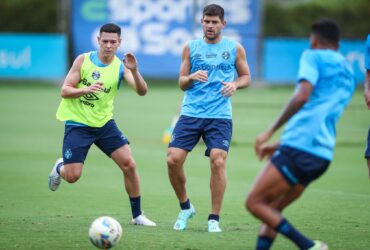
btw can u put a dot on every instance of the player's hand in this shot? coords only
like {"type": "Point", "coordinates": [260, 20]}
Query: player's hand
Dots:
{"type": "Point", "coordinates": [98, 86]}
{"type": "Point", "coordinates": [228, 89]}
{"type": "Point", "coordinates": [130, 61]}
{"type": "Point", "coordinates": [267, 150]}
{"type": "Point", "coordinates": [200, 75]}
{"type": "Point", "coordinates": [261, 139]}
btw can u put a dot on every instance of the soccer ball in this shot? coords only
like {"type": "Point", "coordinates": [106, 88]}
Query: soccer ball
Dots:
{"type": "Point", "coordinates": [105, 232]}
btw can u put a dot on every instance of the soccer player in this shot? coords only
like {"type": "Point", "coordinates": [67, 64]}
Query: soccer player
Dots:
{"type": "Point", "coordinates": [325, 85]}
{"type": "Point", "coordinates": [367, 96]}
{"type": "Point", "coordinates": [88, 93]}
{"type": "Point", "coordinates": [207, 75]}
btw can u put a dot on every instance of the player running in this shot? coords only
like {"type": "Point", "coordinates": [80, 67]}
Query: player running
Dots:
{"type": "Point", "coordinates": [88, 93]}
{"type": "Point", "coordinates": [325, 85]}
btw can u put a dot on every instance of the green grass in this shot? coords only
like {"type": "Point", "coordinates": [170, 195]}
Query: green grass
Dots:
{"type": "Point", "coordinates": [335, 208]}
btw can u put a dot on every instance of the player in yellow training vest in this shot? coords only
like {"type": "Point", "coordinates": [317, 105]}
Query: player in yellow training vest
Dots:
{"type": "Point", "coordinates": [88, 93]}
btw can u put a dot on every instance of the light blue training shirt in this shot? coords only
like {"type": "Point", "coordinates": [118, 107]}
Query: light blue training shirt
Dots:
{"type": "Point", "coordinates": [367, 53]}
{"type": "Point", "coordinates": [204, 99]}
{"type": "Point", "coordinates": [313, 128]}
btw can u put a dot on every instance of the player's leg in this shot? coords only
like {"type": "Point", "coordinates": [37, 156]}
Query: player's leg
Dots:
{"type": "Point", "coordinates": [115, 145]}
{"type": "Point", "coordinates": [185, 136]}
{"type": "Point", "coordinates": [217, 186]}
{"type": "Point", "coordinates": [76, 144]}
{"type": "Point", "coordinates": [175, 162]}
{"type": "Point", "coordinates": [217, 136]}
{"type": "Point", "coordinates": [268, 189]}
{"type": "Point", "coordinates": [267, 234]}
{"type": "Point", "coordinates": [123, 158]}
{"type": "Point", "coordinates": [367, 152]}
{"type": "Point", "coordinates": [218, 178]}
{"type": "Point", "coordinates": [280, 183]}
{"type": "Point", "coordinates": [71, 172]}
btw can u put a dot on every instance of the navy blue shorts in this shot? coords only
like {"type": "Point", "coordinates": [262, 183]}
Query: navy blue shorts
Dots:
{"type": "Point", "coordinates": [216, 133]}
{"type": "Point", "coordinates": [367, 149]}
{"type": "Point", "coordinates": [78, 139]}
{"type": "Point", "coordinates": [298, 167]}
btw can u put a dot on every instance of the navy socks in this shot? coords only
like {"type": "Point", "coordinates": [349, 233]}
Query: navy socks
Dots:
{"type": "Point", "coordinates": [291, 233]}
{"type": "Point", "coordinates": [264, 242]}
{"type": "Point", "coordinates": [135, 203]}
{"type": "Point", "coordinates": [185, 205]}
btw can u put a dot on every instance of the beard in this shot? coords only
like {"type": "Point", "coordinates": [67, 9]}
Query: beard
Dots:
{"type": "Point", "coordinates": [212, 37]}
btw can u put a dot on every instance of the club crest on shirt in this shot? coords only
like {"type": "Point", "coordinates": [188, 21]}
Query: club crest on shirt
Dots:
{"type": "Point", "coordinates": [225, 55]}
{"type": "Point", "coordinates": [95, 75]}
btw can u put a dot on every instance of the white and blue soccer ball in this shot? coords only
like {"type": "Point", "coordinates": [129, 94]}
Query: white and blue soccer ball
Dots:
{"type": "Point", "coordinates": [105, 232]}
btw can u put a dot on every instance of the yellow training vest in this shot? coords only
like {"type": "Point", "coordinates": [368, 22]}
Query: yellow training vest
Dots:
{"type": "Point", "coordinates": [93, 109]}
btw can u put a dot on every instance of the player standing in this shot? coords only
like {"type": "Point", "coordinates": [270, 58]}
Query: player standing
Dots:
{"type": "Point", "coordinates": [207, 75]}
{"type": "Point", "coordinates": [325, 85]}
{"type": "Point", "coordinates": [88, 93]}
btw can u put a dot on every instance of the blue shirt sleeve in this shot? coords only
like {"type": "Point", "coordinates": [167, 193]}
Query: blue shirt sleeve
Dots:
{"type": "Point", "coordinates": [308, 67]}
{"type": "Point", "coordinates": [367, 53]}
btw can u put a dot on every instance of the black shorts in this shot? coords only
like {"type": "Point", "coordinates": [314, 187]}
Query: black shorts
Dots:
{"type": "Point", "coordinates": [78, 139]}
{"type": "Point", "coordinates": [367, 149]}
{"type": "Point", "coordinates": [297, 166]}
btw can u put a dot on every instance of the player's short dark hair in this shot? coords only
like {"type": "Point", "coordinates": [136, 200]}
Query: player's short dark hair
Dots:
{"type": "Point", "coordinates": [327, 30]}
{"type": "Point", "coordinates": [214, 10]}
{"type": "Point", "coordinates": [111, 28]}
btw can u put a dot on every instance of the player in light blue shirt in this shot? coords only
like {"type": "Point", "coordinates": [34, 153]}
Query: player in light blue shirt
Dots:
{"type": "Point", "coordinates": [208, 77]}
{"type": "Point", "coordinates": [205, 99]}
{"type": "Point", "coordinates": [367, 96]}
{"type": "Point", "coordinates": [324, 88]}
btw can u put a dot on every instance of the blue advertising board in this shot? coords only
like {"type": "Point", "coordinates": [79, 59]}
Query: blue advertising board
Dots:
{"type": "Point", "coordinates": [33, 56]}
{"type": "Point", "coordinates": [281, 58]}
{"type": "Point", "coordinates": [157, 30]}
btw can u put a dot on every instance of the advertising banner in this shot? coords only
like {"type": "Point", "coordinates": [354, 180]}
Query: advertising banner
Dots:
{"type": "Point", "coordinates": [281, 58]}
{"type": "Point", "coordinates": [157, 30]}
{"type": "Point", "coordinates": [33, 56]}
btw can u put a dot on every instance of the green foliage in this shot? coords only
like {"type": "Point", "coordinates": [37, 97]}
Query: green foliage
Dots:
{"type": "Point", "coordinates": [296, 19]}
{"type": "Point", "coordinates": [334, 209]}
{"type": "Point", "coordinates": [293, 18]}
{"type": "Point", "coordinates": [30, 16]}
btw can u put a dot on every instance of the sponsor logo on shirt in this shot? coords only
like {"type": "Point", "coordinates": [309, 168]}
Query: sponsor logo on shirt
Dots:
{"type": "Point", "coordinates": [211, 55]}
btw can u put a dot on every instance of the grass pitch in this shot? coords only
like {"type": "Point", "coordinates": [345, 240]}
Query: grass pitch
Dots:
{"type": "Point", "coordinates": [334, 209]}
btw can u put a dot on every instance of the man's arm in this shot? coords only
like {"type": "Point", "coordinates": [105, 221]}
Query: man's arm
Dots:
{"type": "Point", "coordinates": [244, 77]}
{"type": "Point", "coordinates": [73, 77]}
{"type": "Point", "coordinates": [185, 78]}
{"type": "Point", "coordinates": [299, 98]}
{"type": "Point", "coordinates": [133, 76]}
{"type": "Point", "coordinates": [367, 88]}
